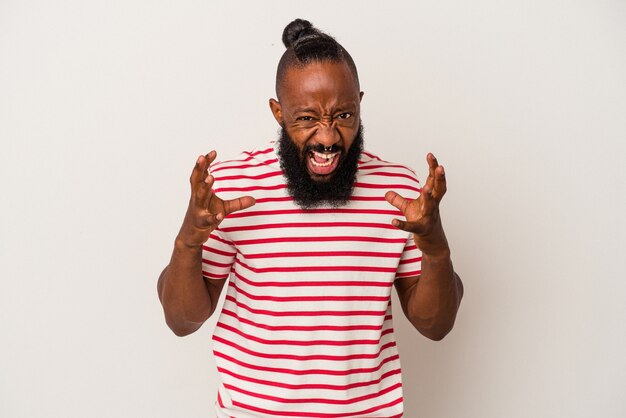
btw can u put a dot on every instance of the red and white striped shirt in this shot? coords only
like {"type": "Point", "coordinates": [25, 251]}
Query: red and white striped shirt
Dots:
{"type": "Point", "coordinates": [306, 327]}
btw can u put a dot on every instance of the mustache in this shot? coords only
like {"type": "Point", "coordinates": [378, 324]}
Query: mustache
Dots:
{"type": "Point", "coordinates": [322, 149]}
{"type": "Point", "coordinates": [309, 193]}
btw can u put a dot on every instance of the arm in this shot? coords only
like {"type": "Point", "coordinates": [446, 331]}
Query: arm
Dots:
{"type": "Point", "coordinates": [187, 298]}
{"type": "Point", "coordinates": [431, 300]}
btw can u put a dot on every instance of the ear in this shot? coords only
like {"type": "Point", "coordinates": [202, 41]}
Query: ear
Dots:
{"type": "Point", "coordinates": [361, 96]}
{"type": "Point", "coordinates": [276, 111]}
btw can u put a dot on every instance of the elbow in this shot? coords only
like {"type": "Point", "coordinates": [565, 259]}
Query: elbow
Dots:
{"type": "Point", "coordinates": [438, 328]}
{"type": "Point", "coordinates": [179, 332]}
{"type": "Point", "coordinates": [435, 335]}
{"type": "Point", "coordinates": [180, 323]}
{"type": "Point", "coordinates": [182, 329]}
{"type": "Point", "coordinates": [435, 317]}
{"type": "Point", "coordinates": [435, 330]}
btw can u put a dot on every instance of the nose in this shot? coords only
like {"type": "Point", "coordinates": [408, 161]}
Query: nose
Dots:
{"type": "Point", "coordinates": [327, 135]}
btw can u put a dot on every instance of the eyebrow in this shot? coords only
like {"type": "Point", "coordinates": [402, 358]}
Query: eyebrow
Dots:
{"type": "Point", "coordinates": [342, 107]}
{"type": "Point", "coordinates": [305, 110]}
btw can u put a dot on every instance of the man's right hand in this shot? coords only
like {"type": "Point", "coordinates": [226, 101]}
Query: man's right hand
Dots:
{"type": "Point", "coordinates": [187, 298]}
{"type": "Point", "coordinates": [206, 210]}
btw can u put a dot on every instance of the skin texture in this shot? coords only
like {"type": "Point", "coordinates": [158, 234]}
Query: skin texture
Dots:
{"type": "Point", "coordinates": [319, 104]}
{"type": "Point", "coordinates": [431, 300]}
{"type": "Point", "coordinates": [187, 298]}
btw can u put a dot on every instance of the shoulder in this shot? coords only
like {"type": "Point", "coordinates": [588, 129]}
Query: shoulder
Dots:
{"type": "Point", "coordinates": [370, 161]}
{"type": "Point", "coordinates": [375, 168]}
{"type": "Point", "coordinates": [260, 159]}
{"type": "Point", "coordinates": [376, 176]}
{"type": "Point", "coordinates": [255, 172]}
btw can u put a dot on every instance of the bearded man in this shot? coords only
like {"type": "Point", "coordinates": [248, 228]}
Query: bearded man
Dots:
{"type": "Point", "coordinates": [311, 238]}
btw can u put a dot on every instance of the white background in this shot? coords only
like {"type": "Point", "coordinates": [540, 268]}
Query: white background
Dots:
{"type": "Point", "coordinates": [105, 105]}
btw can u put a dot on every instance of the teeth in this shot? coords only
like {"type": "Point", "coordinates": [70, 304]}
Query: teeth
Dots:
{"type": "Point", "coordinates": [328, 157]}
{"type": "Point", "coordinates": [326, 164]}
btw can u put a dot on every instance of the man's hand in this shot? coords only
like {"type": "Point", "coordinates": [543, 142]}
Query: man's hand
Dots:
{"type": "Point", "coordinates": [187, 298]}
{"type": "Point", "coordinates": [422, 214]}
{"type": "Point", "coordinates": [431, 300]}
{"type": "Point", "coordinates": [206, 210]}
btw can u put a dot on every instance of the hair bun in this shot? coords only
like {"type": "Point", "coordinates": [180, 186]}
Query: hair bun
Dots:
{"type": "Point", "coordinates": [296, 30]}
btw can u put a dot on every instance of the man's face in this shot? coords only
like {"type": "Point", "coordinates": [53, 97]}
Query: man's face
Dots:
{"type": "Point", "coordinates": [319, 114]}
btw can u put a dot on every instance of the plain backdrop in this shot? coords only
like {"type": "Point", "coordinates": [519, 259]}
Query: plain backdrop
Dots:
{"type": "Point", "coordinates": [105, 105]}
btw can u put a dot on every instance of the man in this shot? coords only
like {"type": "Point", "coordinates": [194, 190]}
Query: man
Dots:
{"type": "Point", "coordinates": [311, 253]}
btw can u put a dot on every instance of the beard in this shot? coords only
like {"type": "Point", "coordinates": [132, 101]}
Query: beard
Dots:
{"type": "Point", "coordinates": [310, 193]}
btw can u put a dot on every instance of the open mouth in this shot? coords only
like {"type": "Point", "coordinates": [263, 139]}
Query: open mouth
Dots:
{"type": "Point", "coordinates": [322, 164]}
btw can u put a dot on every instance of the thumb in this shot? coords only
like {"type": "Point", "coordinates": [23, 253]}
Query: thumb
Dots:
{"type": "Point", "coordinates": [396, 200]}
{"type": "Point", "coordinates": [240, 203]}
{"type": "Point", "coordinates": [414, 227]}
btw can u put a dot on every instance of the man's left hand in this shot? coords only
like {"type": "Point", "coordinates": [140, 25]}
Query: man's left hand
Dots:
{"type": "Point", "coordinates": [422, 214]}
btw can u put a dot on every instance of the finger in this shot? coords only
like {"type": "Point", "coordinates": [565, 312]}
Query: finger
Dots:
{"type": "Point", "coordinates": [432, 163]}
{"type": "Point", "coordinates": [432, 166]}
{"type": "Point", "coordinates": [211, 156]}
{"type": "Point", "coordinates": [210, 220]}
{"type": "Point", "coordinates": [204, 191]}
{"type": "Point", "coordinates": [413, 227]}
{"type": "Point", "coordinates": [440, 186]}
{"type": "Point", "coordinates": [399, 203]}
{"type": "Point", "coordinates": [207, 161]}
{"type": "Point", "coordinates": [396, 200]}
{"type": "Point", "coordinates": [427, 204]}
{"type": "Point", "coordinates": [428, 201]}
{"type": "Point", "coordinates": [201, 169]}
{"type": "Point", "coordinates": [240, 203]}
{"type": "Point", "coordinates": [202, 181]}
{"type": "Point", "coordinates": [196, 173]}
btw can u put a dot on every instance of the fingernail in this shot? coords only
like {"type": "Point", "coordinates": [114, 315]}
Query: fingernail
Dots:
{"type": "Point", "coordinates": [208, 179]}
{"type": "Point", "coordinates": [198, 160]}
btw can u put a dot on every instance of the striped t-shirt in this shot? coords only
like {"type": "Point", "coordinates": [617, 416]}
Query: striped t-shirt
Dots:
{"type": "Point", "coordinates": [306, 327]}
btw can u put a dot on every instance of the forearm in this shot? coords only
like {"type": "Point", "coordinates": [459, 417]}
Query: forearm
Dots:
{"type": "Point", "coordinates": [431, 300]}
{"type": "Point", "coordinates": [435, 298]}
{"type": "Point", "coordinates": [183, 292]}
{"type": "Point", "coordinates": [188, 300]}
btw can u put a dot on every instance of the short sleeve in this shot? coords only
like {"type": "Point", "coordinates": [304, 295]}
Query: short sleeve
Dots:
{"type": "Point", "coordinates": [218, 255]}
{"type": "Point", "coordinates": [411, 261]}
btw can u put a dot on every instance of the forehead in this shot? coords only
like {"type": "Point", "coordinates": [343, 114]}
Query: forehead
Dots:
{"type": "Point", "coordinates": [325, 83]}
